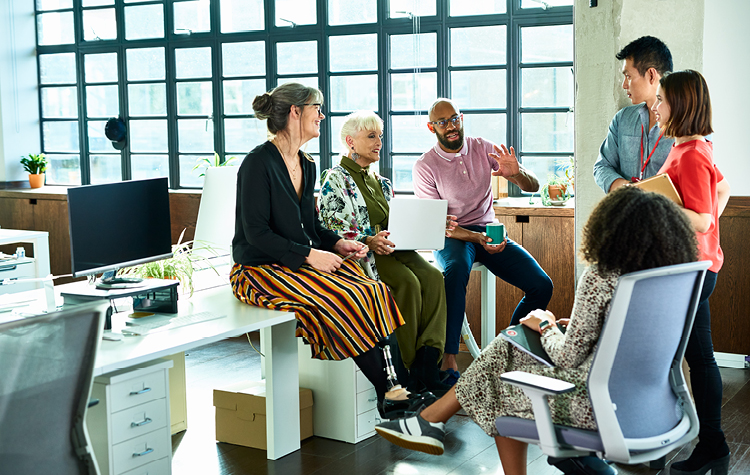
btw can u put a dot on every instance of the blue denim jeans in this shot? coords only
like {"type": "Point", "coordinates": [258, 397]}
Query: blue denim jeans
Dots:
{"type": "Point", "coordinates": [514, 265]}
{"type": "Point", "coordinates": [705, 378]}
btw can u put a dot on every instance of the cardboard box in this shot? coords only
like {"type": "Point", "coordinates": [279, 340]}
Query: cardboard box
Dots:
{"type": "Point", "coordinates": [241, 414]}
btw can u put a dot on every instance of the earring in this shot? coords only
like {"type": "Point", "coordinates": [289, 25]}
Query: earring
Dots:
{"type": "Point", "coordinates": [355, 155]}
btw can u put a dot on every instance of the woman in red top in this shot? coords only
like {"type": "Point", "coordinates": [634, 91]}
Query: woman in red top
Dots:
{"type": "Point", "coordinates": [683, 110]}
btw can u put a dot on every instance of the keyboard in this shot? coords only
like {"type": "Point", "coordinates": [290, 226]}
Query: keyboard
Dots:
{"type": "Point", "coordinates": [176, 322]}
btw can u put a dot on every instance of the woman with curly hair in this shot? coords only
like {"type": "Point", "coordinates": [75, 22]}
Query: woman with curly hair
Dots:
{"type": "Point", "coordinates": [630, 230]}
{"type": "Point", "coordinates": [683, 110]}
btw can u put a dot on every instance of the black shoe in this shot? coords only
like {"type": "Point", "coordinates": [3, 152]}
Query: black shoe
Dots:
{"type": "Point", "coordinates": [425, 370]}
{"type": "Point", "coordinates": [393, 409]}
{"type": "Point", "coordinates": [699, 464]}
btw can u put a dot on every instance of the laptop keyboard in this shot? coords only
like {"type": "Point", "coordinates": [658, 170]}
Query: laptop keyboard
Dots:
{"type": "Point", "coordinates": [176, 322]}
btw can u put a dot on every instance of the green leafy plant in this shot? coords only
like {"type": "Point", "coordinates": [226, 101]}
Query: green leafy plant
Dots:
{"type": "Point", "coordinates": [205, 162]}
{"type": "Point", "coordinates": [555, 180]}
{"type": "Point", "coordinates": [179, 267]}
{"type": "Point", "coordinates": [35, 164]}
{"type": "Point", "coordinates": [566, 166]}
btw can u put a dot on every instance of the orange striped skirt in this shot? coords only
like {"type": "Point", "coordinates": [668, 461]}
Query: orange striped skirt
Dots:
{"type": "Point", "coordinates": [340, 314]}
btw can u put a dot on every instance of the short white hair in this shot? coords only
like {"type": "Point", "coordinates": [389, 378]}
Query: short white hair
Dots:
{"type": "Point", "coordinates": [356, 122]}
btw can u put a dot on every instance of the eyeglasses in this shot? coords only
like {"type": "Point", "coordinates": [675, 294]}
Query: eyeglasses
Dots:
{"type": "Point", "coordinates": [318, 105]}
{"type": "Point", "coordinates": [455, 120]}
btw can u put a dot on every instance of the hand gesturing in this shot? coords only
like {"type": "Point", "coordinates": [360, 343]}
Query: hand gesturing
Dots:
{"type": "Point", "coordinates": [507, 160]}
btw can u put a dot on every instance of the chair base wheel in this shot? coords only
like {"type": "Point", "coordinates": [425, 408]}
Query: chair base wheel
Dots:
{"type": "Point", "coordinates": [658, 464]}
{"type": "Point", "coordinates": [582, 466]}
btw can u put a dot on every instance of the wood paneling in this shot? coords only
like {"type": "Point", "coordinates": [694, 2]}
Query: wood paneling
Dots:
{"type": "Point", "coordinates": [730, 302]}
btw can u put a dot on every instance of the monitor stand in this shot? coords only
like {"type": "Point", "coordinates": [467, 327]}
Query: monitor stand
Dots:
{"type": "Point", "coordinates": [110, 281]}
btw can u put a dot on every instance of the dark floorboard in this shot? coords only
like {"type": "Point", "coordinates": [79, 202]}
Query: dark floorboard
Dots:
{"type": "Point", "coordinates": [469, 451]}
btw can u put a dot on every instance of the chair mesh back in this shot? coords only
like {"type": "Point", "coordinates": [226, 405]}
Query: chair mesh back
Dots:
{"type": "Point", "coordinates": [639, 383]}
{"type": "Point", "coordinates": [45, 380]}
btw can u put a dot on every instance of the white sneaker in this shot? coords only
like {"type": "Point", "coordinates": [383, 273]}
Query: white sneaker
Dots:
{"type": "Point", "coordinates": [414, 433]}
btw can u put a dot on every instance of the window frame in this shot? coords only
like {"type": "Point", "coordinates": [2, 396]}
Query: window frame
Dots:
{"type": "Point", "coordinates": [514, 19]}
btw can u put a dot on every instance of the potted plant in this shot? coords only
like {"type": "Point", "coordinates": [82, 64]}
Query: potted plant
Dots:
{"type": "Point", "coordinates": [35, 165]}
{"type": "Point", "coordinates": [178, 267]}
{"type": "Point", "coordinates": [207, 162]}
{"type": "Point", "coordinates": [555, 190]}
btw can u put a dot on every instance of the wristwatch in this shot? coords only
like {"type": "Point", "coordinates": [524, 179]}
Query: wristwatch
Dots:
{"type": "Point", "coordinates": [544, 325]}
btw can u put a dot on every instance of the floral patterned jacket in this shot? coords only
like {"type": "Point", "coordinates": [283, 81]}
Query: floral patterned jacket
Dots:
{"type": "Point", "coordinates": [344, 211]}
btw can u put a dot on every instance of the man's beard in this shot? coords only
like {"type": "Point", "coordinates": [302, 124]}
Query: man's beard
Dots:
{"type": "Point", "coordinates": [454, 144]}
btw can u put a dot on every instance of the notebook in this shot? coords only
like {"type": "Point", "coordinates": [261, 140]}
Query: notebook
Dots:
{"type": "Point", "coordinates": [529, 341]}
{"type": "Point", "coordinates": [417, 224]}
{"type": "Point", "coordinates": [661, 184]}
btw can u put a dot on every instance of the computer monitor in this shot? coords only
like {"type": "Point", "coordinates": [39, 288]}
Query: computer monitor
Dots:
{"type": "Point", "coordinates": [118, 225]}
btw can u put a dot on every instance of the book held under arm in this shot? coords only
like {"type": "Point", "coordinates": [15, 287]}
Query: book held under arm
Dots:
{"type": "Point", "coordinates": [661, 184]}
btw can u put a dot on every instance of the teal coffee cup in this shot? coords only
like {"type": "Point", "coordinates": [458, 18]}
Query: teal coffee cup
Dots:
{"type": "Point", "coordinates": [496, 231]}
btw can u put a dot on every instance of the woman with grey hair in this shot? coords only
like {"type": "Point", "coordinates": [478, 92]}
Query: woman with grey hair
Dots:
{"type": "Point", "coordinates": [286, 260]}
{"type": "Point", "coordinates": [354, 203]}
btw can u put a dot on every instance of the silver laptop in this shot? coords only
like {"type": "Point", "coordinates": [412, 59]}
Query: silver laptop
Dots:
{"type": "Point", "coordinates": [417, 224]}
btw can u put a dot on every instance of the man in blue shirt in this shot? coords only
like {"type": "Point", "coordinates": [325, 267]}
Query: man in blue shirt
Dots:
{"type": "Point", "coordinates": [635, 148]}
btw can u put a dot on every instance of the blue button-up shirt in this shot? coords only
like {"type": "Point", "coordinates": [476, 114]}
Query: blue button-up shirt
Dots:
{"type": "Point", "coordinates": [620, 154]}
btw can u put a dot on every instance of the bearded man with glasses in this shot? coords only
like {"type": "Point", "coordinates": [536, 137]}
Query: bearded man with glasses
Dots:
{"type": "Point", "coordinates": [459, 169]}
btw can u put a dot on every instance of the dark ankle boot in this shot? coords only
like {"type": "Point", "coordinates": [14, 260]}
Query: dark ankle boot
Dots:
{"type": "Point", "coordinates": [425, 370]}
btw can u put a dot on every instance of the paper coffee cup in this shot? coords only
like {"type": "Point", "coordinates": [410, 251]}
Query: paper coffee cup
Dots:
{"type": "Point", "coordinates": [496, 231]}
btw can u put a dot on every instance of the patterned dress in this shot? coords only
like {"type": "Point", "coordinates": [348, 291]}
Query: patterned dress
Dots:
{"type": "Point", "coordinates": [485, 397]}
{"type": "Point", "coordinates": [343, 209]}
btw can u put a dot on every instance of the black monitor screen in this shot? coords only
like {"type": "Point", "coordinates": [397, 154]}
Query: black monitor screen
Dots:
{"type": "Point", "coordinates": [118, 225]}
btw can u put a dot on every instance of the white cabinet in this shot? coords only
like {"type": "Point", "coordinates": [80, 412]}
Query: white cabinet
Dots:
{"type": "Point", "coordinates": [130, 428]}
{"type": "Point", "coordinates": [22, 268]}
{"type": "Point", "coordinates": [344, 401]}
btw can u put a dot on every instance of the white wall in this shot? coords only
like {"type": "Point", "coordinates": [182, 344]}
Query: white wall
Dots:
{"type": "Point", "coordinates": [19, 100]}
{"type": "Point", "coordinates": [727, 69]}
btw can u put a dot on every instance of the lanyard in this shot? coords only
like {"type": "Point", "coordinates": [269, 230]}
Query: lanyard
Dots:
{"type": "Point", "coordinates": [648, 159]}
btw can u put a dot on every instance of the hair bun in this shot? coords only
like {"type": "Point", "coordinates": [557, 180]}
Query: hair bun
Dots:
{"type": "Point", "coordinates": [263, 106]}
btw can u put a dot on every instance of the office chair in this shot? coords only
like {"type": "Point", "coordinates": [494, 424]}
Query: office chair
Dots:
{"type": "Point", "coordinates": [637, 389]}
{"type": "Point", "coordinates": [45, 384]}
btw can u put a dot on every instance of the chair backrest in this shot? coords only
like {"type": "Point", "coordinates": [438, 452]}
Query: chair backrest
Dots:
{"type": "Point", "coordinates": [216, 213]}
{"type": "Point", "coordinates": [46, 372]}
{"type": "Point", "coordinates": [636, 383]}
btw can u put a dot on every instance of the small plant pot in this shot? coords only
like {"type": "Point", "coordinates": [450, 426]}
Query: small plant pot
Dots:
{"type": "Point", "coordinates": [36, 181]}
{"type": "Point", "coordinates": [557, 192]}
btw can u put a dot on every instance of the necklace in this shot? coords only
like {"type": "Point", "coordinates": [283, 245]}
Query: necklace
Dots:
{"type": "Point", "coordinates": [292, 171]}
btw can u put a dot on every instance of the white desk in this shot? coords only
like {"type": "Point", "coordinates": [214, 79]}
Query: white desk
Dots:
{"type": "Point", "coordinates": [281, 365]}
{"type": "Point", "coordinates": [282, 370]}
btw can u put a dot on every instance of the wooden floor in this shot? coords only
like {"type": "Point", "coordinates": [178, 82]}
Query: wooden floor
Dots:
{"type": "Point", "coordinates": [468, 449]}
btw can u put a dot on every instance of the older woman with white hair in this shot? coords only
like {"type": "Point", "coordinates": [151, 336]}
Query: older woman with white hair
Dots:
{"type": "Point", "coordinates": [354, 202]}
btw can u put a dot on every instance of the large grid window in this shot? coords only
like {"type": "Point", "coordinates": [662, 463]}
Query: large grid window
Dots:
{"type": "Point", "coordinates": [183, 75]}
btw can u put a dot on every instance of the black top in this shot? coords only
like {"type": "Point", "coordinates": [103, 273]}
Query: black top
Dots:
{"type": "Point", "coordinates": [272, 225]}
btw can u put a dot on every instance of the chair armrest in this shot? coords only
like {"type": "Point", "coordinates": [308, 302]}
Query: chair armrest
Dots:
{"type": "Point", "coordinates": [536, 382]}
{"type": "Point", "coordinates": [538, 388]}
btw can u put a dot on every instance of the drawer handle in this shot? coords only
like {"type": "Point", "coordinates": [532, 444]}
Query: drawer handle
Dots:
{"type": "Point", "coordinates": [142, 391]}
{"type": "Point", "coordinates": [372, 399]}
{"type": "Point", "coordinates": [145, 452]}
{"type": "Point", "coordinates": [145, 421]}
{"type": "Point", "coordinates": [3, 269]}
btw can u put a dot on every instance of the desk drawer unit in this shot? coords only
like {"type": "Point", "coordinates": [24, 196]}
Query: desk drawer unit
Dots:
{"type": "Point", "coordinates": [156, 467]}
{"type": "Point", "coordinates": [345, 404]}
{"type": "Point", "coordinates": [129, 428]}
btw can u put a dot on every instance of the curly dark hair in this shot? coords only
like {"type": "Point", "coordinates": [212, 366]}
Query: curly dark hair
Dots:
{"type": "Point", "coordinates": [632, 230]}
